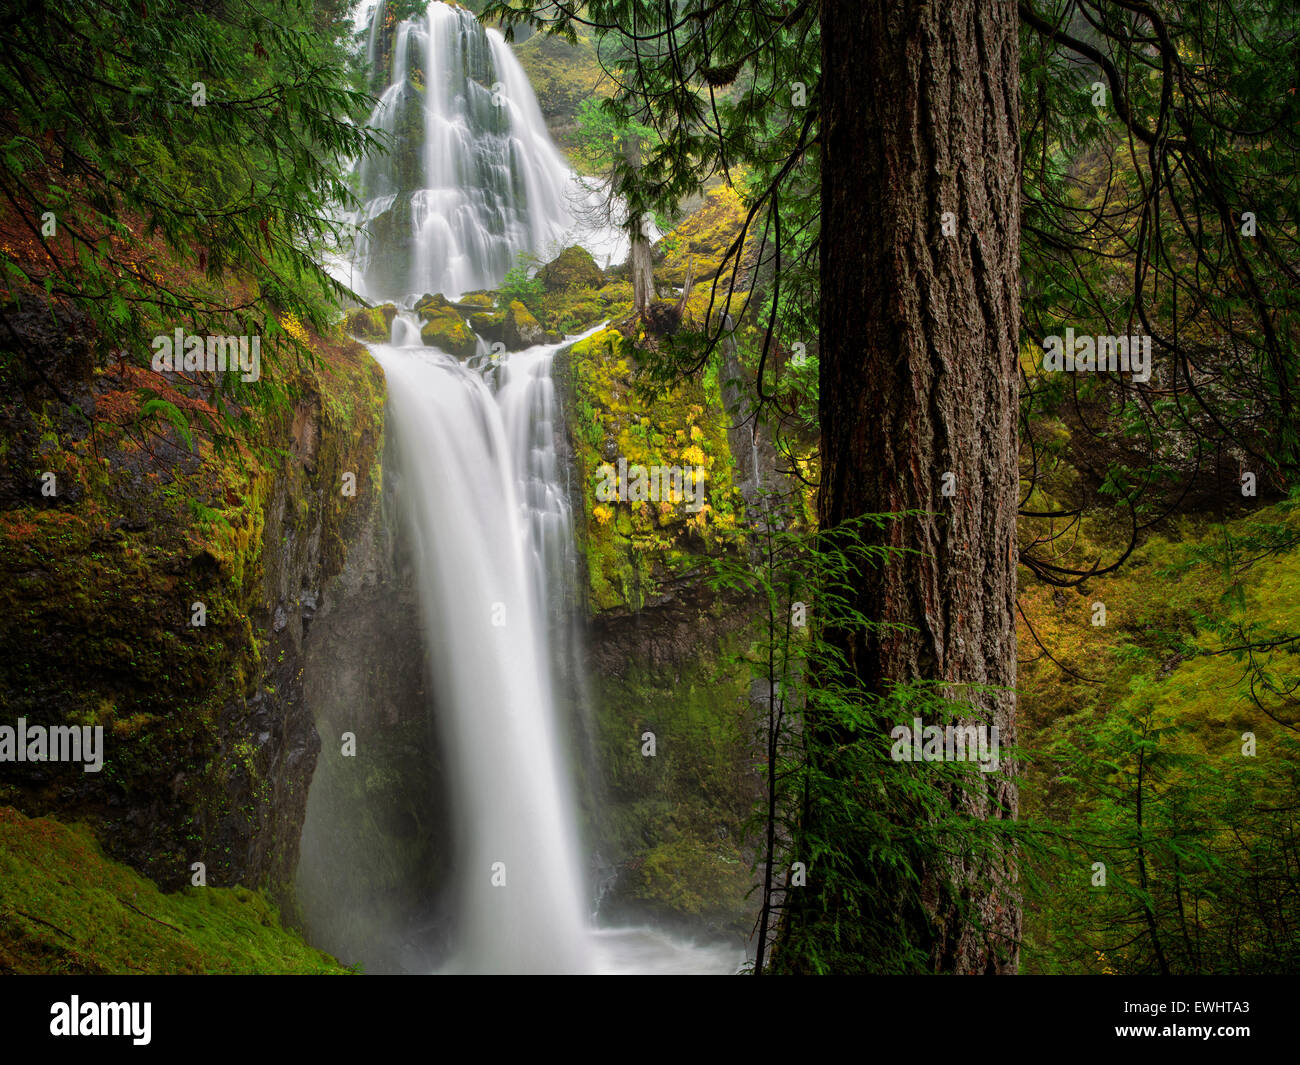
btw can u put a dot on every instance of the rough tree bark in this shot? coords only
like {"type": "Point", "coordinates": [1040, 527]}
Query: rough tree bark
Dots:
{"type": "Point", "coordinates": [641, 268]}
{"type": "Point", "coordinates": [640, 265]}
{"type": "Point", "coordinates": [919, 370]}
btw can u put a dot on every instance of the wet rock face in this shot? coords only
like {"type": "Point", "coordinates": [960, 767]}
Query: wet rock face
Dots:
{"type": "Point", "coordinates": [661, 658]}
{"type": "Point", "coordinates": [161, 591]}
{"type": "Point", "coordinates": [56, 358]}
{"type": "Point", "coordinates": [376, 835]}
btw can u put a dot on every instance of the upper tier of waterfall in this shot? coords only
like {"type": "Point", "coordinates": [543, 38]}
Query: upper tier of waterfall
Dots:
{"type": "Point", "coordinates": [471, 177]}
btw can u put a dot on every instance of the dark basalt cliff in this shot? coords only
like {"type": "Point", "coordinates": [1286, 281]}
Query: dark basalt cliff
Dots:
{"type": "Point", "coordinates": [210, 745]}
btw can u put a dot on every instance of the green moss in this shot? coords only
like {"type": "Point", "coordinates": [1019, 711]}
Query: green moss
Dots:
{"type": "Point", "coordinates": [372, 323]}
{"type": "Point", "coordinates": [691, 878]}
{"type": "Point", "coordinates": [65, 908]}
{"type": "Point", "coordinates": [1160, 680]}
{"type": "Point", "coordinates": [675, 822]}
{"type": "Point", "coordinates": [572, 268]}
{"type": "Point", "coordinates": [1166, 605]}
{"type": "Point", "coordinates": [628, 546]}
{"type": "Point", "coordinates": [490, 325]}
{"type": "Point", "coordinates": [1162, 656]}
{"type": "Point", "coordinates": [445, 329]}
{"type": "Point", "coordinates": [700, 243]}
{"type": "Point", "coordinates": [477, 301]}
{"type": "Point", "coordinates": [520, 327]}
{"type": "Point", "coordinates": [615, 292]}
{"type": "Point", "coordinates": [432, 302]}
{"type": "Point", "coordinates": [575, 310]}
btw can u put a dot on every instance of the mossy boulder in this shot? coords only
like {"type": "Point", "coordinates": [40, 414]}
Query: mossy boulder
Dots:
{"type": "Point", "coordinates": [490, 325]}
{"type": "Point", "coordinates": [515, 327]}
{"type": "Point", "coordinates": [372, 323]}
{"type": "Point", "coordinates": [433, 303]}
{"type": "Point", "coordinates": [449, 334]}
{"type": "Point", "coordinates": [573, 268]}
{"type": "Point", "coordinates": [443, 328]}
{"type": "Point", "coordinates": [477, 301]}
{"type": "Point", "coordinates": [520, 329]}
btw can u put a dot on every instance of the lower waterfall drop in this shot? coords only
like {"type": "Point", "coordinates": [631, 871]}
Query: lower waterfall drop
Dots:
{"type": "Point", "coordinates": [489, 516]}
{"type": "Point", "coordinates": [518, 899]}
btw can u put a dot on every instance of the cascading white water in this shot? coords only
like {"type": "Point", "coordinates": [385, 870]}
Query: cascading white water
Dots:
{"type": "Point", "coordinates": [473, 178]}
{"type": "Point", "coordinates": [477, 516]}
{"type": "Point", "coordinates": [482, 497]}
{"type": "Point", "coordinates": [491, 522]}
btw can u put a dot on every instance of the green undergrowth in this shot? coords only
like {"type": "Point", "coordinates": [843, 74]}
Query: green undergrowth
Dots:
{"type": "Point", "coordinates": [1165, 702]}
{"type": "Point", "coordinates": [1171, 616]}
{"type": "Point", "coordinates": [67, 909]}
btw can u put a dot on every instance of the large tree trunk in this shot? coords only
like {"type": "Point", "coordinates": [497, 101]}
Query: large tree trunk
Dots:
{"type": "Point", "coordinates": [919, 371]}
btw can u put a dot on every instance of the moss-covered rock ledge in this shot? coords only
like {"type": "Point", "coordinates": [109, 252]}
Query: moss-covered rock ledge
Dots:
{"type": "Point", "coordinates": [665, 655]}
{"type": "Point", "coordinates": [631, 548]}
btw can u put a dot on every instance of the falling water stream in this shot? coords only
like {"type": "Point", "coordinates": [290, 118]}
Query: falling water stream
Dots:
{"type": "Point", "coordinates": [484, 501]}
{"type": "Point", "coordinates": [473, 177]}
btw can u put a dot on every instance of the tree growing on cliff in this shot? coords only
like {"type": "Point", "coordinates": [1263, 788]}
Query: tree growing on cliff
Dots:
{"type": "Point", "coordinates": [613, 143]}
{"type": "Point", "coordinates": [219, 130]}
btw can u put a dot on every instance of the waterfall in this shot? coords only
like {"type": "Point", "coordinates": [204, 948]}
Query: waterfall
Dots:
{"type": "Point", "coordinates": [472, 178]}
{"type": "Point", "coordinates": [481, 518]}
{"type": "Point", "coordinates": [491, 524]}
{"type": "Point", "coordinates": [482, 497]}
